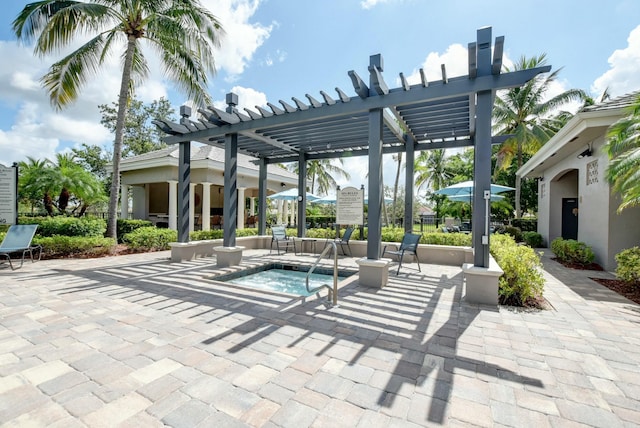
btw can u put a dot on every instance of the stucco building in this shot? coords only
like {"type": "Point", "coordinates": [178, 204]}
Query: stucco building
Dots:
{"type": "Point", "coordinates": [575, 201]}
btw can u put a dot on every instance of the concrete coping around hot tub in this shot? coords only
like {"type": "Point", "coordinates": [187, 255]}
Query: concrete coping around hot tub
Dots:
{"type": "Point", "coordinates": [481, 284]}
{"type": "Point", "coordinates": [373, 272]}
{"type": "Point", "coordinates": [228, 256]}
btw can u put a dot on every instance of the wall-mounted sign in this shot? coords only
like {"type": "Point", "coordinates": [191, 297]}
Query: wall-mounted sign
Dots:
{"type": "Point", "coordinates": [350, 206]}
{"type": "Point", "coordinates": [8, 194]}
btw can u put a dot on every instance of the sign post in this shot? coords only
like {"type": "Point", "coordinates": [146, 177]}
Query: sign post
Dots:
{"type": "Point", "coordinates": [9, 194]}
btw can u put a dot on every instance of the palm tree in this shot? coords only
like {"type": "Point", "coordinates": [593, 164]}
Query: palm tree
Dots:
{"type": "Point", "coordinates": [623, 148]}
{"type": "Point", "coordinates": [182, 33]}
{"type": "Point", "coordinates": [320, 175]}
{"type": "Point", "coordinates": [433, 173]}
{"type": "Point", "coordinates": [29, 171]}
{"type": "Point", "coordinates": [525, 112]}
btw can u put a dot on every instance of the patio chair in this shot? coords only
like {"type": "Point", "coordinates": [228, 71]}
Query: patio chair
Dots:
{"type": "Point", "coordinates": [279, 236]}
{"type": "Point", "coordinates": [409, 245]}
{"type": "Point", "coordinates": [18, 240]}
{"type": "Point", "coordinates": [345, 240]}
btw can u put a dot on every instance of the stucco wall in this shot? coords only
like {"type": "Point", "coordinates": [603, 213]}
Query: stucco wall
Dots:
{"type": "Point", "coordinates": [624, 230]}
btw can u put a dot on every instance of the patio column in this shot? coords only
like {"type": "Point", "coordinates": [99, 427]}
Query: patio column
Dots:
{"type": "Point", "coordinates": [285, 213]}
{"type": "Point", "coordinates": [262, 197]}
{"type": "Point", "coordinates": [482, 154]}
{"type": "Point", "coordinates": [241, 205]}
{"type": "Point", "coordinates": [252, 206]}
{"type": "Point", "coordinates": [280, 207]}
{"type": "Point", "coordinates": [408, 183]}
{"type": "Point", "coordinates": [302, 194]}
{"type": "Point", "coordinates": [124, 201]}
{"type": "Point", "coordinates": [206, 206]}
{"type": "Point", "coordinates": [192, 206]}
{"type": "Point", "coordinates": [173, 204]}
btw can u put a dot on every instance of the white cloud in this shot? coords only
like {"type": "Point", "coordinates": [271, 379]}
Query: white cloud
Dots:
{"type": "Point", "coordinates": [455, 60]}
{"type": "Point", "coordinates": [622, 76]}
{"type": "Point", "coordinates": [242, 38]}
{"type": "Point", "coordinates": [369, 4]}
{"type": "Point", "coordinates": [247, 97]}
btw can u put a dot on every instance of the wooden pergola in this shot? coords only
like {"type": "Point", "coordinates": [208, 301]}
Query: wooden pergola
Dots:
{"type": "Point", "coordinates": [443, 114]}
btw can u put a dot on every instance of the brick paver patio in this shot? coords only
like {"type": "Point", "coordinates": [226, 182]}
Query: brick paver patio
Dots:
{"type": "Point", "coordinates": [138, 341]}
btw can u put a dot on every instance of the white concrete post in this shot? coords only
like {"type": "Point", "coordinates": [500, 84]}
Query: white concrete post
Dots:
{"type": "Point", "coordinates": [173, 204]}
{"type": "Point", "coordinates": [206, 206]}
{"type": "Point", "coordinates": [241, 204]}
{"type": "Point", "coordinates": [124, 201]}
{"type": "Point", "coordinates": [280, 212]}
{"type": "Point", "coordinates": [285, 213]}
{"type": "Point", "coordinates": [252, 206]}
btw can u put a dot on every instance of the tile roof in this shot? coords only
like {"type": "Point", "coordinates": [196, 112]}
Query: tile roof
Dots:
{"type": "Point", "coordinates": [615, 103]}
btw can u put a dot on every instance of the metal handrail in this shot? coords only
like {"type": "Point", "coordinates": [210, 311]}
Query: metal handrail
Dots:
{"type": "Point", "coordinates": [333, 292]}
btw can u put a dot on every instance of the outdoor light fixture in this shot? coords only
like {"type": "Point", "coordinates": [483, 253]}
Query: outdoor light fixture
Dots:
{"type": "Point", "coordinates": [586, 153]}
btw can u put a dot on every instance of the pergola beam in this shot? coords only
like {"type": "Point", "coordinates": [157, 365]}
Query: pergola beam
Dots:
{"type": "Point", "coordinates": [435, 91]}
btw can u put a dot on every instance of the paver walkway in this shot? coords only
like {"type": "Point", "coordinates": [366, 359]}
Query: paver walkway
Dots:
{"type": "Point", "coordinates": [137, 341]}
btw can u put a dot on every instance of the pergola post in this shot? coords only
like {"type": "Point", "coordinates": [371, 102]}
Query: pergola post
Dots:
{"type": "Point", "coordinates": [302, 194]}
{"type": "Point", "coordinates": [482, 154]}
{"type": "Point", "coordinates": [230, 211]}
{"type": "Point", "coordinates": [262, 196]}
{"type": "Point", "coordinates": [184, 180]}
{"type": "Point", "coordinates": [408, 183]}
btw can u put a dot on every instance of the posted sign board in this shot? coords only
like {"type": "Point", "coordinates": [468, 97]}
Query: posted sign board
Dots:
{"type": "Point", "coordinates": [8, 194]}
{"type": "Point", "coordinates": [350, 206]}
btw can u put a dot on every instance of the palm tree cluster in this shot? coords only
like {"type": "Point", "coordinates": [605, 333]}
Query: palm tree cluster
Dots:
{"type": "Point", "coordinates": [182, 33]}
{"type": "Point", "coordinates": [60, 187]}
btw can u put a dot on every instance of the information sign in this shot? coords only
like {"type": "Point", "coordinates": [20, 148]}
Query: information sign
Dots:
{"type": "Point", "coordinates": [350, 206]}
{"type": "Point", "coordinates": [8, 194]}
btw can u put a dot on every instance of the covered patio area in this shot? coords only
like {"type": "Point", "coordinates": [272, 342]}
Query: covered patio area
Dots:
{"type": "Point", "coordinates": [451, 112]}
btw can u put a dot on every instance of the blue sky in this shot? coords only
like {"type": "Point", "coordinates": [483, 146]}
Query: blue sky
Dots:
{"type": "Point", "coordinates": [276, 49]}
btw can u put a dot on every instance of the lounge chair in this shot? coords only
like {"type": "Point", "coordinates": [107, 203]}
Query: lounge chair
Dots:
{"type": "Point", "coordinates": [345, 240]}
{"type": "Point", "coordinates": [409, 245]}
{"type": "Point", "coordinates": [279, 236]}
{"type": "Point", "coordinates": [18, 240]}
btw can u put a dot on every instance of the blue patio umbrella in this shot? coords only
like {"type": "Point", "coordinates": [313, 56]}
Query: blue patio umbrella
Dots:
{"type": "Point", "coordinates": [465, 189]}
{"type": "Point", "coordinates": [464, 198]}
{"type": "Point", "coordinates": [291, 195]}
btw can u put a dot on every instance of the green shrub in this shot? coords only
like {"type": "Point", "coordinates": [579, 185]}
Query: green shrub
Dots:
{"type": "Point", "coordinates": [522, 283]}
{"type": "Point", "coordinates": [533, 239]}
{"type": "Point", "coordinates": [201, 235]}
{"type": "Point", "coordinates": [525, 225]}
{"type": "Point", "coordinates": [150, 239]}
{"type": "Point", "coordinates": [628, 268]}
{"type": "Point", "coordinates": [514, 232]}
{"type": "Point", "coordinates": [74, 246]}
{"type": "Point", "coordinates": [125, 226]}
{"type": "Point", "coordinates": [572, 251]}
{"type": "Point", "coordinates": [68, 226]}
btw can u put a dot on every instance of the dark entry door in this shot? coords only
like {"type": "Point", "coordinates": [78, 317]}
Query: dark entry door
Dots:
{"type": "Point", "coordinates": [570, 218]}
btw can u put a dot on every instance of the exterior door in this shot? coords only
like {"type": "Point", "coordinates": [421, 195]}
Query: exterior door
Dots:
{"type": "Point", "coordinates": [570, 218]}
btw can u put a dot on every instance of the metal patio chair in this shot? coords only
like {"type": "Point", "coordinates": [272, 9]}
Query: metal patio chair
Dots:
{"type": "Point", "coordinates": [279, 236]}
{"type": "Point", "coordinates": [409, 245]}
{"type": "Point", "coordinates": [18, 240]}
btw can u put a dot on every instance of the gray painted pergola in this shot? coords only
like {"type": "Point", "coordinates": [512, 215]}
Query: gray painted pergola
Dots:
{"type": "Point", "coordinates": [445, 114]}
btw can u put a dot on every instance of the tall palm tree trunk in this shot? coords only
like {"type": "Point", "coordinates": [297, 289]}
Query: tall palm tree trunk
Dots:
{"type": "Point", "coordinates": [518, 182]}
{"type": "Point", "coordinates": [117, 145]}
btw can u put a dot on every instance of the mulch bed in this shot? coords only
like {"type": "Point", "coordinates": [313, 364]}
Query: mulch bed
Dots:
{"type": "Point", "coordinates": [629, 290]}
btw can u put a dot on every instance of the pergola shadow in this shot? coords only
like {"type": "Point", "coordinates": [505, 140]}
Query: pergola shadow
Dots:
{"type": "Point", "coordinates": [414, 323]}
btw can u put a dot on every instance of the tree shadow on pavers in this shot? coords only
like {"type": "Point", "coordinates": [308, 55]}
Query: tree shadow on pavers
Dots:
{"type": "Point", "coordinates": [396, 320]}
